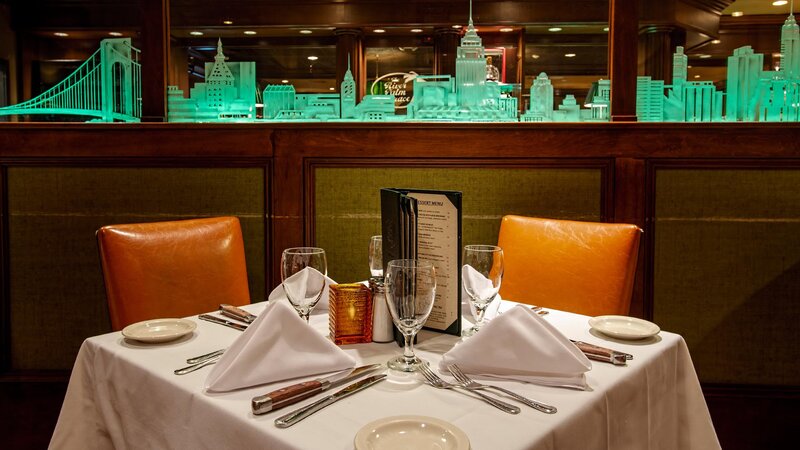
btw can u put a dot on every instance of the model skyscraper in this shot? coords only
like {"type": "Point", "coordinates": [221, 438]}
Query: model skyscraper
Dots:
{"type": "Point", "coordinates": [751, 94]}
{"type": "Point", "coordinates": [229, 94]}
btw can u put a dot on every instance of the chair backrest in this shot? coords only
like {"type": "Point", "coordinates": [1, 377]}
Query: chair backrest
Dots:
{"type": "Point", "coordinates": [172, 269]}
{"type": "Point", "coordinates": [581, 267]}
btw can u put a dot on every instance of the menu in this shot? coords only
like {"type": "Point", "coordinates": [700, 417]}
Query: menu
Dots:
{"type": "Point", "coordinates": [426, 224]}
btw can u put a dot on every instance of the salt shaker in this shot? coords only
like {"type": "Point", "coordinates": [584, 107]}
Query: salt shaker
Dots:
{"type": "Point", "coordinates": [382, 326]}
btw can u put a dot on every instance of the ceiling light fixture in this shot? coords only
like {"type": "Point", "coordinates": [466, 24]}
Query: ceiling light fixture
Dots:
{"type": "Point", "coordinates": [705, 56]}
{"type": "Point", "coordinates": [114, 33]}
{"type": "Point", "coordinates": [456, 26]}
{"type": "Point", "coordinates": [331, 89]}
{"type": "Point", "coordinates": [780, 2]}
{"type": "Point", "coordinates": [196, 33]}
{"type": "Point", "coordinates": [737, 14]}
{"type": "Point", "coordinates": [60, 34]}
{"type": "Point", "coordinates": [605, 29]}
{"type": "Point", "coordinates": [379, 30]}
{"type": "Point", "coordinates": [227, 22]}
{"type": "Point", "coordinates": [535, 56]}
{"type": "Point", "coordinates": [506, 30]}
{"type": "Point", "coordinates": [569, 55]}
{"type": "Point", "coordinates": [416, 30]}
{"type": "Point", "coordinates": [249, 32]}
{"type": "Point", "coordinates": [306, 31]}
{"type": "Point", "coordinates": [697, 76]}
{"type": "Point", "coordinates": [716, 41]}
{"type": "Point", "coordinates": [554, 29]}
{"type": "Point", "coordinates": [313, 58]}
{"type": "Point", "coordinates": [284, 81]}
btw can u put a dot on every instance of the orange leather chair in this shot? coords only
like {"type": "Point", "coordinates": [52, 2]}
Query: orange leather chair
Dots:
{"type": "Point", "coordinates": [582, 267]}
{"type": "Point", "coordinates": [172, 269]}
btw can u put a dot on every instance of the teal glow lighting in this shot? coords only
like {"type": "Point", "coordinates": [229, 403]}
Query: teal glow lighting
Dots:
{"type": "Point", "coordinates": [106, 87]}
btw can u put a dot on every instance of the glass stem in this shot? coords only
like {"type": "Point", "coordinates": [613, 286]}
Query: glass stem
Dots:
{"type": "Point", "coordinates": [408, 349]}
{"type": "Point", "coordinates": [479, 314]}
{"type": "Point", "coordinates": [305, 314]}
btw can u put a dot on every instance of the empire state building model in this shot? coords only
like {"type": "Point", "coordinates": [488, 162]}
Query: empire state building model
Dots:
{"type": "Point", "coordinates": [470, 67]}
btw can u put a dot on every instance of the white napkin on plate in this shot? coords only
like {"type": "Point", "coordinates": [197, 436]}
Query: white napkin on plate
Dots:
{"type": "Point", "coordinates": [277, 346]}
{"type": "Point", "coordinates": [520, 345]}
{"type": "Point", "coordinates": [299, 283]}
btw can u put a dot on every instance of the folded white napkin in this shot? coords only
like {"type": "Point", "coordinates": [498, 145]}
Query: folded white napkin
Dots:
{"type": "Point", "coordinates": [482, 285]}
{"type": "Point", "coordinates": [474, 281]}
{"type": "Point", "coordinates": [520, 345]}
{"type": "Point", "coordinates": [300, 282]}
{"type": "Point", "coordinates": [277, 346]}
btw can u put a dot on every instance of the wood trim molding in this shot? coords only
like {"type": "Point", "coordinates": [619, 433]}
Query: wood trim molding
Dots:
{"type": "Point", "coordinates": [5, 292]}
{"type": "Point", "coordinates": [748, 390]}
{"type": "Point", "coordinates": [411, 140]}
{"type": "Point", "coordinates": [37, 376]}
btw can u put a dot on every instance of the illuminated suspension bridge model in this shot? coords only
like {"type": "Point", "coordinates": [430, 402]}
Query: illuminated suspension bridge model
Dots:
{"type": "Point", "coordinates": [106, 87]}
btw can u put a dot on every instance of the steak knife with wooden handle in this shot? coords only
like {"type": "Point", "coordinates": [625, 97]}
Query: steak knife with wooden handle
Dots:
{"type": "Point", "coordinates": [301, 391]}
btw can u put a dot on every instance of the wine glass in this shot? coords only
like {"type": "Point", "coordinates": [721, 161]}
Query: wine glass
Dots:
{"type": "Point", "coordinates": [410, 291]}
{"type": "Point", "coordinates": [376, 256]}
{"type": "Point", "coordinates": [302, 286]}
{"type": "Point", "coordinates": [481, 275]}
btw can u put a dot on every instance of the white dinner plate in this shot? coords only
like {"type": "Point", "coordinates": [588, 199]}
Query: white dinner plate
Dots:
{"type": "Point", "coordinates": [411, 432]}
{"type": "Point", "coordinates": [624, 327]}
{"type": "Point", "coordinates": [159, 330]}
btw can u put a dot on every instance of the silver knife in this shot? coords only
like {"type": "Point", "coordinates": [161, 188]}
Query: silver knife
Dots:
{"type": "Point", "coordinates": [301, 391]}
{"type": "Point", "coordinates": [207, 356]}
{"type": "Point", "coordinates": [200, 365]}
{"type": "Point", "coordinates": [300, 414]}
{"type": "Point", "coordinates": [220, 321]}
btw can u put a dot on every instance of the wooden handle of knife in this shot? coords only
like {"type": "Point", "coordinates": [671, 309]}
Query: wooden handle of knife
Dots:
{"type": "Point", "coordinates": [237, 312]}
{"type": "Point", "coordinates": [294, 393]}
{"type": "Point", "coordinates": [593, 349]}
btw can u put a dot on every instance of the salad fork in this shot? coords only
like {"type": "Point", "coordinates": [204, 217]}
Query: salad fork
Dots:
{"type": "Point", "coordinates": [432, 379]}
{"type": "Point", "coordinates": [471, 385]}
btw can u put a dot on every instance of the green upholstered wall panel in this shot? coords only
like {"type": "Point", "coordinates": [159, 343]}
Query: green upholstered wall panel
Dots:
{"type": "Point", "coordinates": [56, 285]}
{"type": "Point", "coordinates": [727, 271]}
{"type": "Point", "coordinates": [347, 203]}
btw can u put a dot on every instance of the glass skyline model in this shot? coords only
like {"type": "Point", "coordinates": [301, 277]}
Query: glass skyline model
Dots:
{"type": "Point", "coordinates": [107, 88]}
{"type": "Point", "coordinates": [751, 95]}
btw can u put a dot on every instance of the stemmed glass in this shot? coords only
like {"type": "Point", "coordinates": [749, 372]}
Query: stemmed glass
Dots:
{"type": "Point", "coordinates": [410, 291]}
{"type": "Point", "coordinates": [376, 256]}
{"type": "Point", "coordinates": [303, 291]}
{"type": "Point", "coordinates": [481, 275]}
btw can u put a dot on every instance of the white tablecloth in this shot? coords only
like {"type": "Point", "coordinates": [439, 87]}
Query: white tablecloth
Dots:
{"type": "Point", "coordinates": [123, 394]}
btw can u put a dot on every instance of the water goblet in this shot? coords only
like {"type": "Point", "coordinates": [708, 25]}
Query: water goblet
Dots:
{"type": "Point", "coordinates": [481, 275]}
{"type": "Point", "coordinates": [410, 292]}
{"type": "Point", "coordinates": [376, 256]}
{"type": "Point", "coordinates": [302, 286]}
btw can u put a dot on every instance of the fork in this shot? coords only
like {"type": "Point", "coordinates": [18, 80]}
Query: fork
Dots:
{"type": "Point", "coordinates": [433, 380]}
{"type": "Point", "coordinates": [468, 383]}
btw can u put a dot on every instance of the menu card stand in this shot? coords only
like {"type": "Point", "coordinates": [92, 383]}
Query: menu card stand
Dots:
{"type": "Point", "coordinates": [426, 224]}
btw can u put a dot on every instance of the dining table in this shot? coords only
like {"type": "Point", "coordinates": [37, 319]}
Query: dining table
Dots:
{"type": "Point", "coordinates": [124, 394]}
